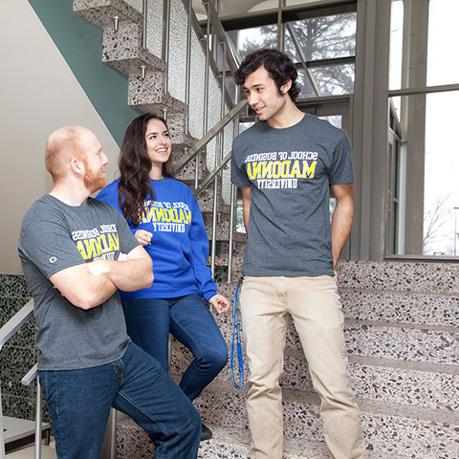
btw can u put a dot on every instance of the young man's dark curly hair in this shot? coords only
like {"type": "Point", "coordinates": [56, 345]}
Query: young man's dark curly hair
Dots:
{"type": "Point", "coordinates": [279, 66]}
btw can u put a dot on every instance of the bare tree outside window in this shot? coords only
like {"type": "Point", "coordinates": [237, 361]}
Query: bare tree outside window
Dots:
{"type": "Point", "coordinates": [324, 37]}
{"type": "Point", "coordinates": [437, 219]}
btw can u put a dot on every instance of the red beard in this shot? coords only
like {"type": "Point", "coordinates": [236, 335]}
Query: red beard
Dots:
{"type": "Point", "coordinates": [93, 181]}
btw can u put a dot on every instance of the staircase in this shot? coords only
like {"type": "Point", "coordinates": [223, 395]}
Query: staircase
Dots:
{"type": "Point", "coordinates": [402, 323]}
{"type": "Point", "coordinates": [402, 319]}
{"type": "Point", "coordinates": [124, 49]}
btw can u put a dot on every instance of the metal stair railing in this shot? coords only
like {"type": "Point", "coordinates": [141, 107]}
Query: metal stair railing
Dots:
{"type": "Point", "coordinates": [7, 332]}
{"type": "Point", "coordinates": [218, 49]}
{"type": "Point", "coordinates": [214, 40]}
{"type": "Point", "coordinates": [231, 59]}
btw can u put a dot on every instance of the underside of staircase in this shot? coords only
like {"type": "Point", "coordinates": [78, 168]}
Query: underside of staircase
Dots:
{"type": "Point", "coordinates": [401, 328]}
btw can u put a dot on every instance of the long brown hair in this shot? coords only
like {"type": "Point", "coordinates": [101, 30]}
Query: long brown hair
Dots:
{"type": "Point", "coordinates": [135, 166]}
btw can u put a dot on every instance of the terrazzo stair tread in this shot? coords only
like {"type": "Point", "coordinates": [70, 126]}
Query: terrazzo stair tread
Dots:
{"type": "Point", "coordinates": [132, 442]}
{"type": "Point", "coordinates": [223, 261]}
{"type": "Point", "coordinates": [396, 306]}
{"type": "Point", "coordinates": [431, 386]}
{"type": "Point", "coordinates": [227, 443]}
{"type": "Point", "coordinates": [399, 306]}
{"type": "Point", "coordinates": [147, 94]}
{"type": "Point", "coordinates": [432, 344]}
{"type": "Point", "coordinates": [238, 247]}
{"type": "Point", "coordinates": [180, 156]}
{"type": "Point", "coordinates": [190, 182]}
{"type": "Point", "coordinates": [388, 428]}
{"type": "Point", "coordinates": [188, 173]}
{"type": "Point", "coordinates": [233, 443]}
{"type": "Point", "coordinates": [222, 233]}
{"type": "Point", "coordinates": [101, 12]}
{"type": "Point", "coordinates": [412, 383]}
{"type": "Point", "coordinates": [130, 63]}
{"type": "Point", "coordinates": [126, 45]}
{"type": "Point", "coordinates": [412, 342]}
{"type": "Point", "coordinates": [206, 201]}
{"type": "Point", "coordinates": [400, 276]}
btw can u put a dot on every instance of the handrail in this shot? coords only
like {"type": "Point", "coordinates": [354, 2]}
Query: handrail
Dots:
{"type": "Point", "coordinates": [28, 379]}
{"type": "Point", "coordinates": [6, 333]}
{"type": "Point", "coordinates": [16, 322]}
{"type": "Point", "coordinates": [234, 59]}
{"type": "Point", "coordinates": [211, 177]}
{"type": "Point", "coordinates": [201, 143]}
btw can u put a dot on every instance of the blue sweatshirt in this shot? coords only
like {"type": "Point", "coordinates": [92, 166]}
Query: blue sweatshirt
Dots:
{"type": "Point", "coordinates": [179, 247]}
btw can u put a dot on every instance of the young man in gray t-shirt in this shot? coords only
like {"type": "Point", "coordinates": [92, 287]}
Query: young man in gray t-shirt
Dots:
{"type": "Point", "coordinates": [76, 253]}
{"type": "Point", "coordinates": [285, 166]}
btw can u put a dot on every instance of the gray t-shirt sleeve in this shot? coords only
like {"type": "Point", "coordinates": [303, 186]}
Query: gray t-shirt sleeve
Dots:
{"type": "Point", "coordinates": [238, 173]}
{"type": "Point", "coordinates": [48, 245]}
{"type": "Point", "coordinates": [340, 171]}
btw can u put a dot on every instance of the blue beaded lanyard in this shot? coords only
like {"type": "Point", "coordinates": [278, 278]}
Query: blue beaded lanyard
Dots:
{"type": "Point", "coordinates": [236, 343]}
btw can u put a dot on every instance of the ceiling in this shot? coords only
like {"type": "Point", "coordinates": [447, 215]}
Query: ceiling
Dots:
{"type": "Point", "coordinates": [238, 7]}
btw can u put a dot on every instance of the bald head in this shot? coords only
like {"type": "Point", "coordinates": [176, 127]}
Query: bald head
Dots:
{"type": "Point", "coordinates": [63, 145]}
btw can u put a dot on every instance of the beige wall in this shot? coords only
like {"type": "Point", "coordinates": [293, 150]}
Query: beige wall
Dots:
{"type": "Point", "coordinates": [38, 93]}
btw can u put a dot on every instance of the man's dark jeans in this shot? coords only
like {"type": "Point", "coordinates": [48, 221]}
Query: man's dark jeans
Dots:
{"type": "Point", "coordinates": [80, 402]}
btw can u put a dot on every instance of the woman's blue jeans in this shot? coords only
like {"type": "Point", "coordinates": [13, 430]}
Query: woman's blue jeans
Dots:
{"type": "Point", "coordinates": [188, 318]}
{"type": "Point", "coordinates": [80, 402]}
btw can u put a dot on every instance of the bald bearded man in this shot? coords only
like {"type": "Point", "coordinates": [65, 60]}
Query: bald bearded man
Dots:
{"type": "Point", "coordinates": [76, 253]}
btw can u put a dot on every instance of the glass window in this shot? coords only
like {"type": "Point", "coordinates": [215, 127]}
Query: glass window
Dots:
{"type": "Point", "coordinates": [441, 187]}
{"type": "Point", "coordinates": [324, 37]}
{"type": "Point", "coordinates": [396, 44]}
{"type": "Point", "coordinates": [424, 170]}
{"type": "Point", "coordinates": [335, 79]}
{"type": "Point", "coordinates": [249, 40]}
{"type": "Point", "coordinates": [306, 87]}
{"type": "Point", "coordinates": [334, 120]}
{"type": "Point", "coordinates": [442, 66]}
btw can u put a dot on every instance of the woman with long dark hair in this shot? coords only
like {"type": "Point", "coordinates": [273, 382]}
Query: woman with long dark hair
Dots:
{"type": "Point", "coordinates": [165, 218]}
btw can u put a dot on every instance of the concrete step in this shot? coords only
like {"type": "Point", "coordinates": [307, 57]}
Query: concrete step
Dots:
{"type": "Point", "coordinates": [401, 276]}
{"type": "Point", "coordinates": [188, 173]}
{"type": "Point", "coordinates": [102, 12]}
{"type": "Point", "coordinates": [123, 50]}
{"type": "Point", "coordinates": [223, 228]}
{"type": "Point", "coordinates": [391, 431]}
{"type": "Point", "coordinates": [409, 308]}
{"type": "Point", "coordinates": [233, 443]}
{"type": "Point", "coordinates": [236, 264]}
{"type": "Point", "coordinates": [388, 428]}
{"type": "Point", "coordinates": [422, 385]}
{"type": "Point", "coordinates": [147, 94]}
{"type": "Point", "coordinates": [227, 443]}
{"type": "Point", "coordinates": [380, 340]}
{"type": "Point", "coordinates": [401, 307]}
{"type": "Point", "coordinates": [206, 199]}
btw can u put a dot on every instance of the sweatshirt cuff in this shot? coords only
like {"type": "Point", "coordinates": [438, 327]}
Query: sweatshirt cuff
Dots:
{"type": "Point", "coordinates": [209, 294]}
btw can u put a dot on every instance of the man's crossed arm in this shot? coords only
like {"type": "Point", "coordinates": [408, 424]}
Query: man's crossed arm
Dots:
{"type": "Point", "coordinates": [88, 285]}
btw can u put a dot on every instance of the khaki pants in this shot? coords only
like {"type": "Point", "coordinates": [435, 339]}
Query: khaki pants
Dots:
{"type": "Point", "coordinates": [314, 305]}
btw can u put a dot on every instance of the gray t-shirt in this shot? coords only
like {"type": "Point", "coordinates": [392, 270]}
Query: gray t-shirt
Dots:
{"type": "Point", "coordinates": [55, 236]}
{"type": "Point", "coordinates": [290, 171]}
